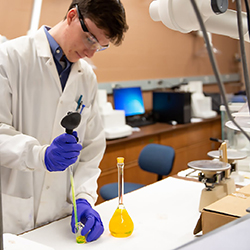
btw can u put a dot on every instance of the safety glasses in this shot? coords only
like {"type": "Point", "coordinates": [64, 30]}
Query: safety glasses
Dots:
{"type": "Point", "coordinates": [91, 42]}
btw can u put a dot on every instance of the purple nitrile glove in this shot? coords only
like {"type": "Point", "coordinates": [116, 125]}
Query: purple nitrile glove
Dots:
{"type": "Point", "coordinates": [62, 152]}
{"type": "Point", "coordinates": [90, 218]}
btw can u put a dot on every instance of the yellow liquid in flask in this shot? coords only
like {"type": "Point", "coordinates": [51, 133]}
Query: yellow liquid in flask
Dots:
{"type": "Point", "coordinates": [121, 225]}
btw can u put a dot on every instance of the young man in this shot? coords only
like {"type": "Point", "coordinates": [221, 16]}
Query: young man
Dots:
{"type": "Point", "coordinates": [42, 78]}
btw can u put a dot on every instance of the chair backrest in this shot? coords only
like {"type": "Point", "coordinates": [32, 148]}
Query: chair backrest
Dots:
{"type": "Point", "coordinates": [157, 158]}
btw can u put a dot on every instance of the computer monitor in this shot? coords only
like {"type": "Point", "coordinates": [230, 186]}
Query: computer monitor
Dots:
{"type": "Point", "coordinates": [130, 100]}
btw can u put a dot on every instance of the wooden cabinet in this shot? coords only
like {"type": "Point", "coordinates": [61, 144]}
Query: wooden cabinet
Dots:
{"type": "Point", "coordinates": [190, 141]}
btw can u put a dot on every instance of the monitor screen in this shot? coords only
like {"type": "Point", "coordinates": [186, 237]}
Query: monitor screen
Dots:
{"type": "Point", "coordinates": [130, 100]}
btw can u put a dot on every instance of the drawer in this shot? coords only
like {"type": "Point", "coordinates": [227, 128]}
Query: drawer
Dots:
{"type": "Point", "coordinates": [109, 159]}
{"type": "Point", "coordinates": [176, 139]}
{"type": "Point", "coordinates": [133, 148]}
{"type": "Point", "coordinates": [199, 133]}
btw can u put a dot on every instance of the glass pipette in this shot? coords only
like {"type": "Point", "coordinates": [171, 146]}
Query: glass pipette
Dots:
{"type": "Point", "coordinates": [70, 122]}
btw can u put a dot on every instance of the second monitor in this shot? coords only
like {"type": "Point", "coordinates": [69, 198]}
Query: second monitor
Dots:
{"type": "Point", "coordinates": [131, 101]}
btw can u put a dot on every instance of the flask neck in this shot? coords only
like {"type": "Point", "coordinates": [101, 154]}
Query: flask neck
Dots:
{"type": "Point", "coordinates": [120, 167]}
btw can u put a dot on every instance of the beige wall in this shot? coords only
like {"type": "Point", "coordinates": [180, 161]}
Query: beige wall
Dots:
{"type": "Point", "coordinates": [149, 51]}
{"type": "Point", "coordinates": [15, 17]}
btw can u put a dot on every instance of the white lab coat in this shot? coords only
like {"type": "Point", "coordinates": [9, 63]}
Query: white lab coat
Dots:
{"type": "Point", "coordinates": [32, 105]}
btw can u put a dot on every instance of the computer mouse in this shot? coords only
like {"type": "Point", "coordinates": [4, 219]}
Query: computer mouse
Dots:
{"type": "Point", "coordinates": [172, 122]}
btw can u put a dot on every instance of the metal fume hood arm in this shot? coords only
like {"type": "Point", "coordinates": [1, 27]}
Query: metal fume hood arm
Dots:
{"type": "Point", "coordinates": [179, 15]}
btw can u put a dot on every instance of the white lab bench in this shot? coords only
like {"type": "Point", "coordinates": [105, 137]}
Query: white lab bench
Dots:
{"type": "Point", "coordinates": [164, 215]}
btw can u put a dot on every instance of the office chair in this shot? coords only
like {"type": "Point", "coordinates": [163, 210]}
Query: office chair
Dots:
{"type": "Point", "coordinates": [154, 158]}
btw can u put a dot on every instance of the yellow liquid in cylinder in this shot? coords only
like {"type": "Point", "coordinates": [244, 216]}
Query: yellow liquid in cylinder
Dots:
{"type": "Point", "coordinates": [121, 224]}
{"type": "Point", "coordinates": [81, 239]}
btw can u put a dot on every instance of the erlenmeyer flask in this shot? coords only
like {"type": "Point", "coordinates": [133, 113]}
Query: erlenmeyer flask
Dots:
{"type": "Point", "coordinates": [121, 225]}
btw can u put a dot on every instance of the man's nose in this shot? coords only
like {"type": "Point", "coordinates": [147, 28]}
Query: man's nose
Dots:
{"type": "Point", "coordinates": [89, 53]}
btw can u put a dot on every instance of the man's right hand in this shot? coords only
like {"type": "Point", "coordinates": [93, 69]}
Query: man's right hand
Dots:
{"type": "Point", "coordinates": [62, 152]}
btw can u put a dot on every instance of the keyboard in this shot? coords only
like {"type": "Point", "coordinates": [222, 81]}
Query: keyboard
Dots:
{"type": "Point", "coordinates": [139, 122]}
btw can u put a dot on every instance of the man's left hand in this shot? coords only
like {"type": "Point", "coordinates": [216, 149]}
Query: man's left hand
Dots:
{"type": "Point", "coordinates": [93, 226]}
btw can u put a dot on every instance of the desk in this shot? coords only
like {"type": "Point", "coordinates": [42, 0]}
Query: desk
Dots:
{"type": "Point", "coordinates": [191, 142]}
{"type": "Point", "coordinates": [164, 215]}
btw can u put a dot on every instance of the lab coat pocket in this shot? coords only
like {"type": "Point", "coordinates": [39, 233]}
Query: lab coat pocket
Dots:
{"type": "Point", "coordinates": [18, 214]}
{"type": "Point", "coordinates": [84, 119]}
{"type": "Point", "coordinates": [85, 113]}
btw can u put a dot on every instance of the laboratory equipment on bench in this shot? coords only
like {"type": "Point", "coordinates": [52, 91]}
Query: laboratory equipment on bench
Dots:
{"type": "Point", "coordinates": [113, 120]}
{"type": "Point", "coordinates": [70, 122]}
{"type": "Point", "coordinates": [233, 156]}
{"type": "Point", "coordinates": [242, 117]}
{"type": "Point", "coordinates": [121, 224]}
{"type": "Point", "coordinates": [216, 177]}
{"type": "Point", "coordinates": [201, 105]}
{"type": "Point", "coordinates": [213, 175]}
{"type": "Point", "coordinates": [237, 140]}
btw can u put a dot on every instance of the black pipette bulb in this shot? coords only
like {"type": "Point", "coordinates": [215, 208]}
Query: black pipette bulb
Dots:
{"type": "Point", "coordinates": [71, 121]}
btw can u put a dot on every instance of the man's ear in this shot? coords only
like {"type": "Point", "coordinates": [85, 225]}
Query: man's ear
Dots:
{"type": "Point", "coordinates": [71, 15]}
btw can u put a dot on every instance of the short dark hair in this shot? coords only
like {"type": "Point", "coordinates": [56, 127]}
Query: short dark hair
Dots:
{"type": "Point", "coordinates": [108, 15]}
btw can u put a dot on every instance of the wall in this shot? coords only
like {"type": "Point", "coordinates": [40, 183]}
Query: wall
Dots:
{"type": "Point", "coordinates": [149, 51]}
{"type": "Point", "coordinates": [15, 17]}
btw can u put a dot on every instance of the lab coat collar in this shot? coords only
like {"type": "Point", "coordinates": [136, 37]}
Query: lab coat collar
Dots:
{"type": "Point", "coordinates": [42, 43]}
{"type": "Point", "coordinates": [44, 51]}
